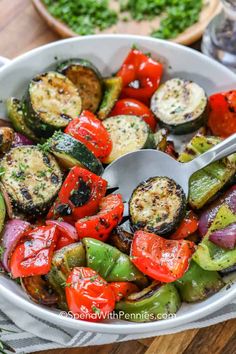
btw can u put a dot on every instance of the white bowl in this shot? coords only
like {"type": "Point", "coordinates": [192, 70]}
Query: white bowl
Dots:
{"type": "Point", "coordinates": [107, 52]}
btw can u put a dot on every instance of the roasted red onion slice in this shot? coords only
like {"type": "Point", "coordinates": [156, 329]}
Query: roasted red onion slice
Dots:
{"type": "Point", "coordinates": [12, 233]}
{"type": "Point", "coordinates": [20, 139]}
{"type": "Point", "coordinates": [225, 238]}
{"type": "Point", "coordinates": [209, 214]}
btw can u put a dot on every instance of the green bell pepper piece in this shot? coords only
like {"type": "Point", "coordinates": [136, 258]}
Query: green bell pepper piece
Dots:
{"type": "Point", "coordinates": [205, 183]}
{"type": "Point", "coordinates": [2, 212]}
{"type": "Point", "coordinates": [63, 261]}
{"type": "Point", "coordinates": [109, 262]}
{"type": "Point", "coordinates": [210, 256]}
{"type": "Point", "coordinates": [153, 303]}
{"type": "Point", "coordinates": [197, 284]}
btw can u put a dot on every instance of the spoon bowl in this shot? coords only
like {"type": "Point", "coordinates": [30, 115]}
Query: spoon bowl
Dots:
{"type": "Point", "coordinates": [128, 171]}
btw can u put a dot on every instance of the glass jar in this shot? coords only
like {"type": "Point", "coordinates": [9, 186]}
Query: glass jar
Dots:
{"type": "Point", "coordinates": [219, 40]}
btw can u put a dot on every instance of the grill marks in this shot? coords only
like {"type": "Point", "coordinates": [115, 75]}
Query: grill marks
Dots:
{"type": "Point", "coordinates": [157, 205]}
{"type": "Point", "coordinates": [32, 179]}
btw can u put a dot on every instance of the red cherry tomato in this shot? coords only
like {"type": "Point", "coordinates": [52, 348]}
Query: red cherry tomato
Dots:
{"type": "Point", "coordinates": [123, 289]}
{"type": "Point", "coordinates": [140, 75]}
{"type": "Point", "coordinates": [79, 196]}
{"type": "Point", "coordinates": [91, 132]}
{"type": "Point", "coordinates": [222, 116]}
{"type": "Point", "coordinates": [89, 297]}
{"type": "Point", "coordinates": [33, 255]}
{"type": "Point", "coordinates": [130, 106]}
{"type": "Point", "coordinates": [161, 259]}
{"type": "Point", "coordinates": [188, 226]}
{"type": "Point", "coordinates": [99, 226]}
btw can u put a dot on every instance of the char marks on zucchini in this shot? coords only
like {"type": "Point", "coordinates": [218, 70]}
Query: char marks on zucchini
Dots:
{"type": "Point", "coordinates": [32, 178]}
{"type": "Point", "coordinates": [157, 205]}
{"type": "Point", "coordinates": [180, 106]}
{"type": "Point", "coordinates": [86, 77]}
{"type": "Point", "coordinates": [51, 101]}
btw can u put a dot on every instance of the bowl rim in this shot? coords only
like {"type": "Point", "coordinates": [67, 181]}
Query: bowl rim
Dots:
{"type": "Point", "coordinates": [125, 327]}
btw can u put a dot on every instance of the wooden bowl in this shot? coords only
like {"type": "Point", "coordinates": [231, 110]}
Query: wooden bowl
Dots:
{"type": "Point", "coordinates": [190, 35]}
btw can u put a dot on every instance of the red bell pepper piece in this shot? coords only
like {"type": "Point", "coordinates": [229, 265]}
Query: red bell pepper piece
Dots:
{"type": "Point", "coordinates": [222, 116]}
{"type": "Point", "coordinates": [188, 226]}
{"type": "Point", "coordinates": [99, 226]}
{"type": "Point", "coordinates": [91, 132]}
{"type": "Point", "coordinates": [79, 196]}
{"type": "Point", "coordinates": [130, 106]}
{"type": "Point", "coordinates": [123, 289]}
{"type": "Point", "coordinates": [161, 259]}
{"type": "Point", "coordinates": [33, 254]}
{"type": "Point", "coordinates": [89, 296]}
{"type": "Point", "coordinates": [141, 76]}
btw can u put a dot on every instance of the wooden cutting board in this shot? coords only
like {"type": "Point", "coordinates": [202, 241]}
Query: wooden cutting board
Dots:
{"type": "Point", "coordinates": [190, 35]}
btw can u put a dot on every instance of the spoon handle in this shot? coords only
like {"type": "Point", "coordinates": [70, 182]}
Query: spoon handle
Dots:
{"type": "Point", "coordinates": [223, 149]}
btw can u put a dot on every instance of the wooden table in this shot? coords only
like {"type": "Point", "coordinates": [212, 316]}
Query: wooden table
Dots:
{"type": "Point", "coordinates": [21, 29]}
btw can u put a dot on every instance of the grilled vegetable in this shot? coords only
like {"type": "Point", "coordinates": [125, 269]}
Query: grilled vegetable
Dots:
{"type": "Point", "coordinates": [180, 106]}
{"type": "Point", "coordinates": [34, 251]}
{"type": "Point", "coordinates": [71, 152]}
{"type": "Point", "coordinates": [122, 289]}
{"type": "Point", "coordinates": [32, 178]}
{"type": "Point", "coordinates": [155, 302]}
{"type": "Point", "coordinates": [79, 196]}
{"type": "Point", "coordinates": [157, 205]}
{"type": "Point", "coordinates": [140, 75]}
{"type": "Point", "coordinates": [109, 262]}
{"type": "Point", "coordinates": [228, 198]}
{"type": "Point", "coordinates": [90, 131]}
{"type": "Point", "coordinates": [210, 256]}
{"type": "Point", "coordinates": [204, 184]}
{"type": "Point", "coordinates": [131, 107]}
{"type": "Point", "coordinates": [222, 116]}
{"type": "Point", "coordinates": [121, 239]}
{"type": "Point", "coordinates": [63, 262]}
{"type": "Point", "coordinates": [113, 86]}
{"type": "Point", "coordinates": [2, 212]}
{"type": "Point", "coordinates": [86, 77]}
{"type": "Point", "coordinates": [50, 103]}
{"type": "Point", "coordinates": [197, 284]}
{"type": "Point", "coordinates": [6, 139]}
{"type": "Point", "coordinates": [88, 295]}
{"type": "Point", "coordinates": [13, 231]}
{"type": "Point", "coordinates": [15, 114]}
{"type": "Point", "coordinates": [39, 290]}
{"type": "Point", "coordinates": [128, 134]}
{"type": "Point", "coordinates": [161, 142]}
{"type": "Point", "coordinates": [161, 259]}
{"type": "Point", "coordinates": [99, 226]}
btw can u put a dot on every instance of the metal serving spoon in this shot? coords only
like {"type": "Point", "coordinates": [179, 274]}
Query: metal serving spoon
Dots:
{"type": "Point", "coordinates": [129, 170]}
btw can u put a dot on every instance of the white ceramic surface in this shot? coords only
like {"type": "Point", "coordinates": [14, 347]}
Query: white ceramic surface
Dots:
{"type": "Point", "coordinates": [107, 52]}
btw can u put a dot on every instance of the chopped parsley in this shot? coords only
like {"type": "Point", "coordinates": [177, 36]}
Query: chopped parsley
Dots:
{"type": "Point", "coordinates": [89, 16]}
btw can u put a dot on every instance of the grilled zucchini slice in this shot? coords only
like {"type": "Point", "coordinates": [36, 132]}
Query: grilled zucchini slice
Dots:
{"type": "Point", "coordinates": [180, 106]}
{"type": "Point", "coordinates": [51, 102]}
{"type": "Point", "coordinates": [128, 134]}
{"type": "Point", "coordinates": [157, 205]}
{"type": "Point", "coordinates": [71, 152]}
{"type": "Point", "coordinates": [88, 80]}
{"type": "Point", "coordinates": [15, 114]}
{"type": "Point", "coordinates": [32, 178]}
{"type": "Point", "coordinates": [113, 87]}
